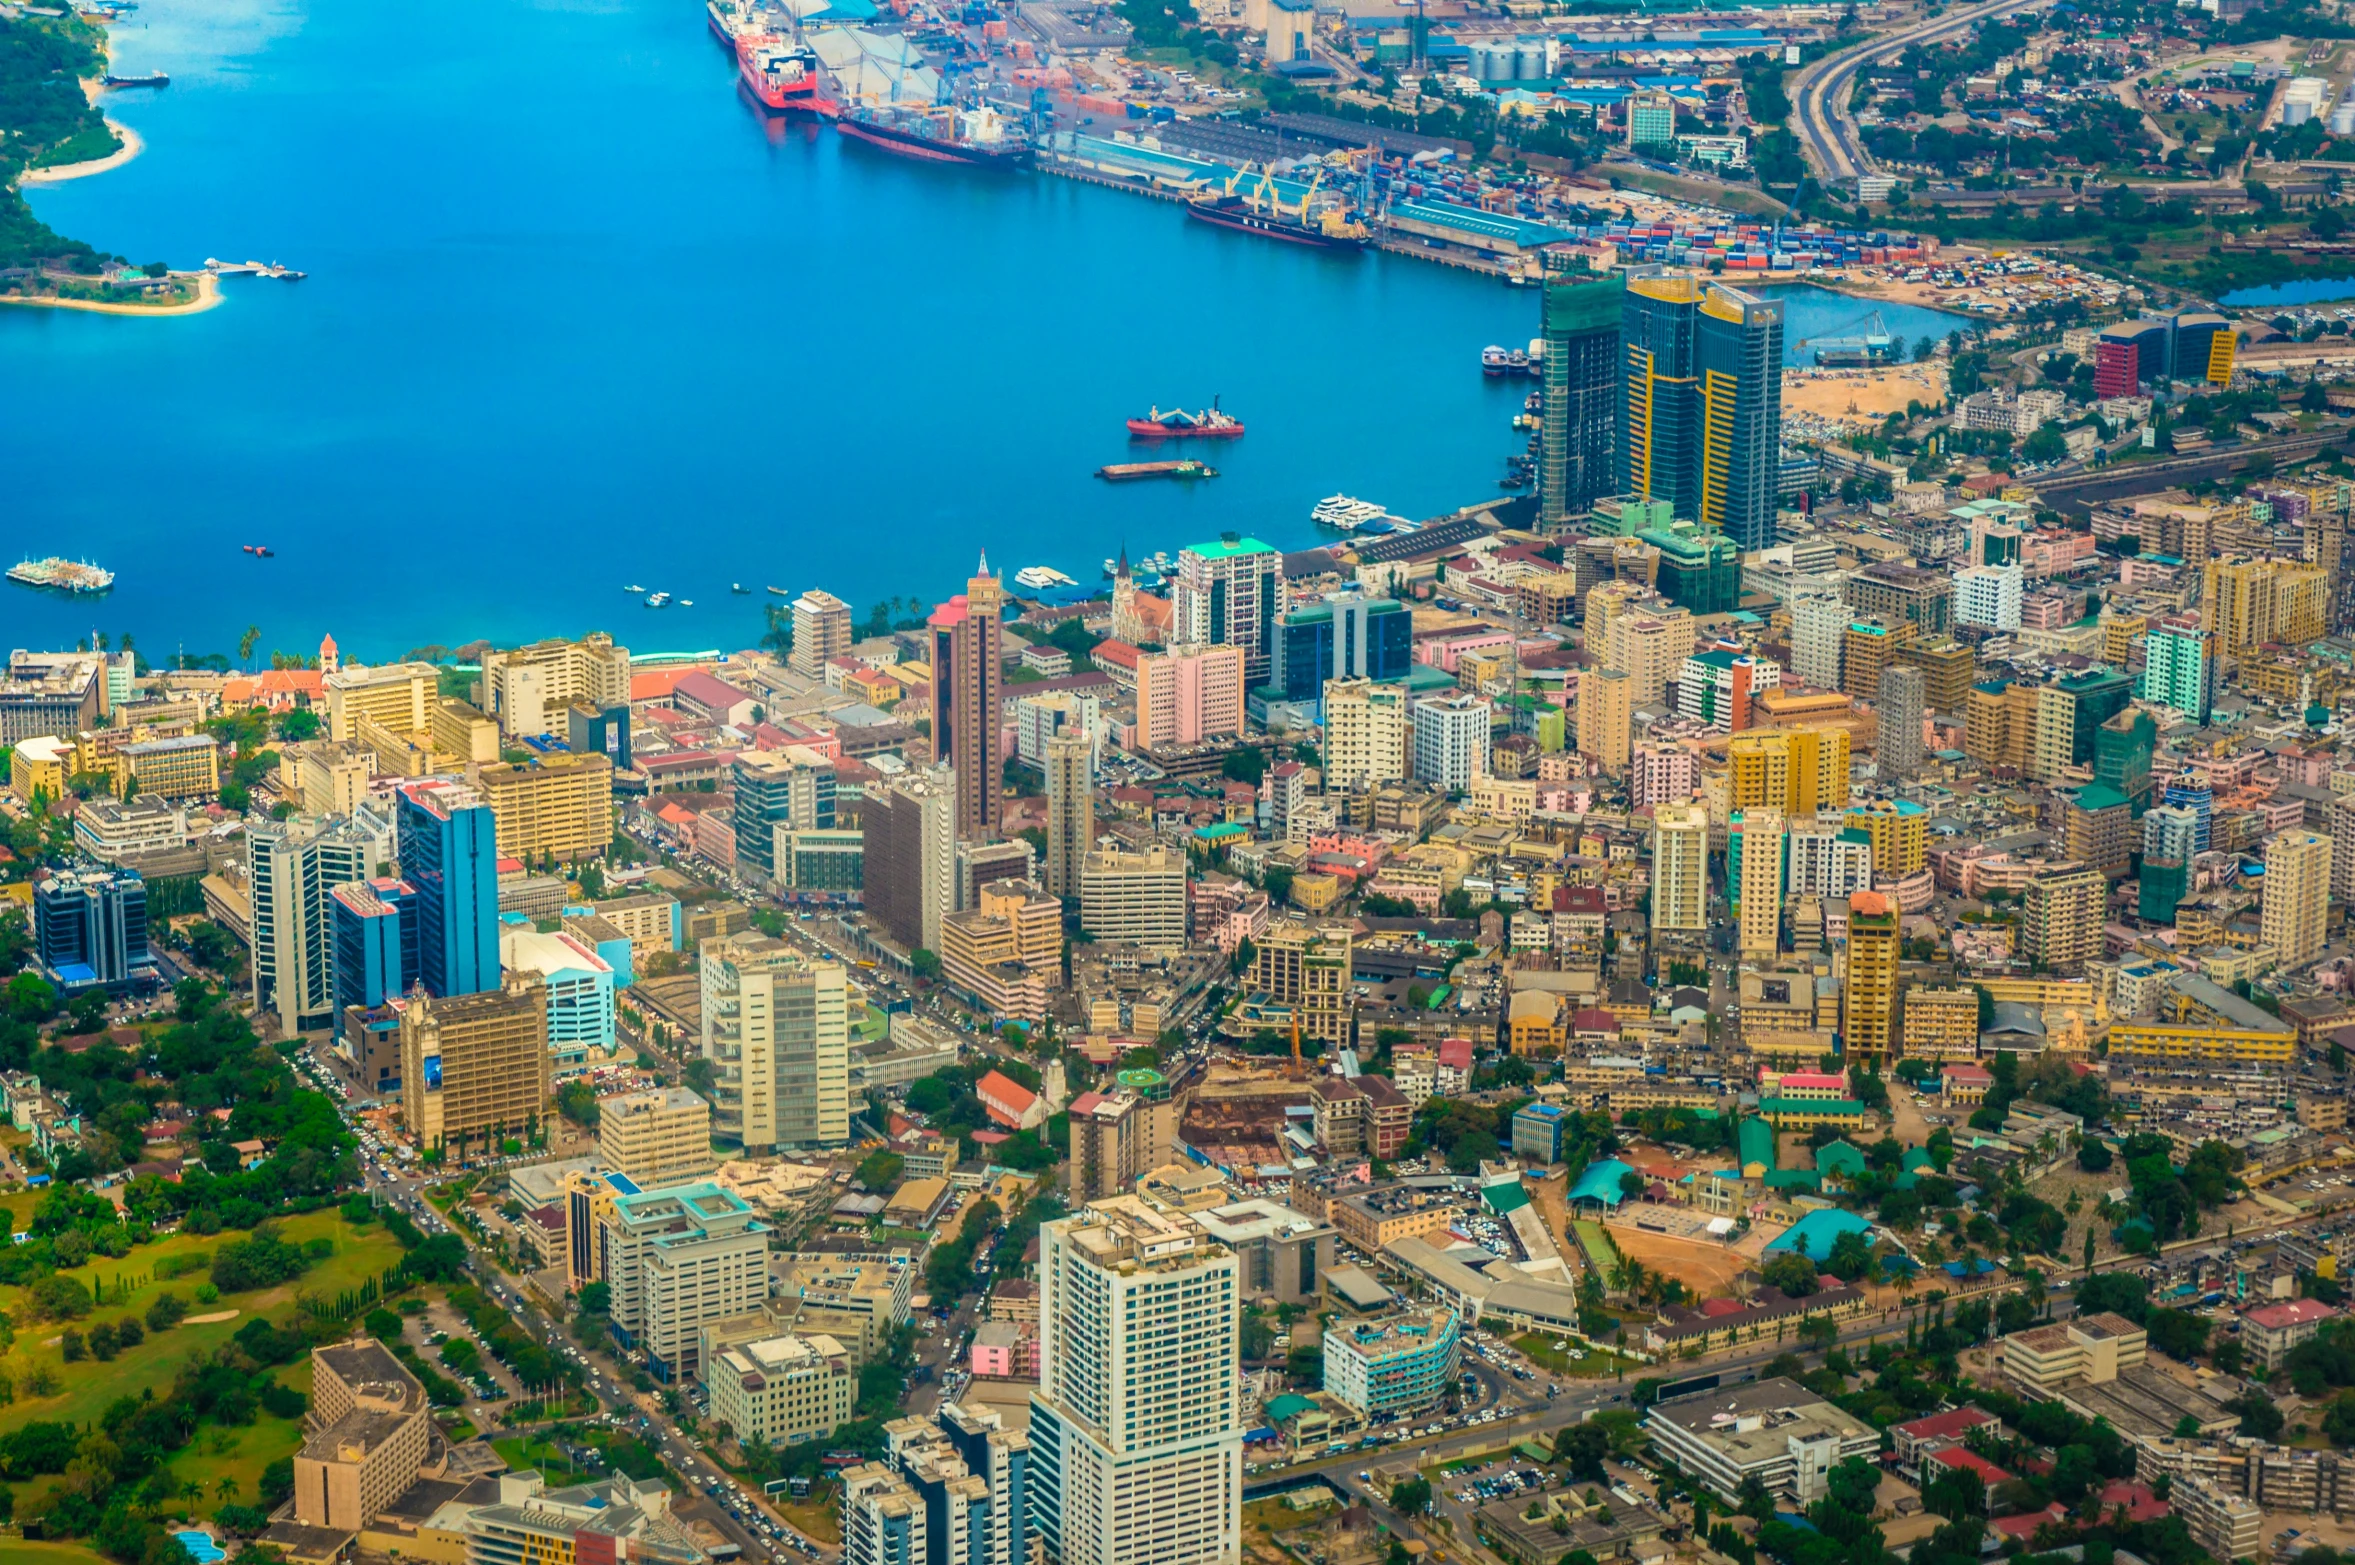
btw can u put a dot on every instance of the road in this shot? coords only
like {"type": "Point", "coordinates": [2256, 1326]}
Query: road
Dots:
{"type": "Point", "coordinates": [2082, 490]}
{"type": "Point", "coordinates": [1819, 98]}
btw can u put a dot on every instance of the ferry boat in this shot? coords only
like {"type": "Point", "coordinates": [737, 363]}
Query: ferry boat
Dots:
{"type": "Point", "coordinates": [62, 574]}
{"type": "Point", "coordinates": [1345, 513]}
{"type": "Point", "coordinates": [655, 600]}
{"type": "Point", "coordinates": [1495, 362]}
{"type": "Point", "coordinates": [970, 138]}
{"type": "Point", "coordinates": [1178, 424]}
{"type": "Point", "coordinates": [1040, 577]}
{"type": "Point", "coordinates": [634, 590]}
{"type": "Point", "coordinates": [783, 76]}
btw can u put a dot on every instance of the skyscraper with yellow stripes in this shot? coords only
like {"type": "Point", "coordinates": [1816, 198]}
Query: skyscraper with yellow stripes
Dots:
{"type": "Point", "coordinates": [1702, 422]}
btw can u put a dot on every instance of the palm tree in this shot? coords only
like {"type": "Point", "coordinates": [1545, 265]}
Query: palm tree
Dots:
{"type": "Point", "coordinates": [226, 1489]}
{"type": "Point", "coordinates": [247, 642]}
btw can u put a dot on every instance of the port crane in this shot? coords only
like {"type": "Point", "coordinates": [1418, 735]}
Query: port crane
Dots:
{"type": "Point", "coordinates": [1847, 343]}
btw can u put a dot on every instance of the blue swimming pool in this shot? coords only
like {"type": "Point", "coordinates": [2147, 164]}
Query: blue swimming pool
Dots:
{"type": "Point", "coordinates": [201, 1547]}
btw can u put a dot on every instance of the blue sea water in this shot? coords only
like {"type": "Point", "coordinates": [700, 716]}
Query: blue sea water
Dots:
{"type": "Point", "coordinates": [578, 317]}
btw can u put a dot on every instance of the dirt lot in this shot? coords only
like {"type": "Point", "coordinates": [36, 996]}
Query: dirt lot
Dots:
{"type": "Point", "coordinates": [1863, 396]}
{"type": "Point", "coordinates": [1707, 1268]}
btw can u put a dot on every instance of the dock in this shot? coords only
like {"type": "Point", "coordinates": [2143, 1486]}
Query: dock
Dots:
{"type": "Point", "coordinates": [253, 269]}
{"type": "Point", "coordinates": [148, 79]}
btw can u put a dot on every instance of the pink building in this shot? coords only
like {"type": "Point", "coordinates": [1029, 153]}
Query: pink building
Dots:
{"type": "Point", "coordinates": [1447, 651]}
{"type": "Point", "coordinates": [1188, 695]}
{"type": "Point", "coordinates": [2050, 552]}
{"type": "Point", "coordinates": [1662, 774]}
{"type": "Point", "coordinates": [1003, 1350]}
{"type": "Point", "coordinates": [2048, 610]}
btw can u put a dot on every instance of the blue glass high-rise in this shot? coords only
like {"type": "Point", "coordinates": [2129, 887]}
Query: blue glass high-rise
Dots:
{"type": "Point", "coordinates": [376, 943]}
{"type": "Point", "coordinates": [449, 847]}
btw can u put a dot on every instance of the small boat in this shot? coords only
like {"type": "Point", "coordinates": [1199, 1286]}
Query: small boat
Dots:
{"type": "Point", "coordinates": [1513, 481]}
{"type": "Point", "coordinates": [149, 79]}
{"type": "Point", "coordinates": [781, 592]}
{"type": "Point", "coordinates": [655, 600]}
{"type": "Point", "coordinates": [686, 603]}
{"type": "Point", "coordinates": [634, 590]}
{"type": "Point", "coordinates": [1210, 424]}
{"type": "Point", "coordinates": [260, 551]}
{"type": "Point", "coordinates": [1493, 361]}
{"type": "Point", "coordinates": [1111, 568]}
{"type": "Point", "coordinates": [738, 588]}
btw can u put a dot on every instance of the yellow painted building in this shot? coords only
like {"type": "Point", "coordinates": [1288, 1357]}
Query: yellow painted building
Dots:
{"type": "Point", "coordinates": [1900, 834]}
{"type": "Point", "coordinates": [559, 803]}
{"type": "Point", "coordinates": [188, 767]}
{"type": "Point", "coordinates": [1940, 1024]}
{"type": "Point", "coordinates": [1799, 771]}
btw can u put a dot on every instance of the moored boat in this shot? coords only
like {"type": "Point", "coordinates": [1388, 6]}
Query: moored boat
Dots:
{"type": "Point", "coordinates": [62, 575]}
{"type": "Point", "coordinates": [1177, 424]}
{"type": "Point", "coordinates": [783, 76]}
{"type": "Point", "coordinates": [1331, 230]}
{"type": "Point", "coordinates": [978, 137]}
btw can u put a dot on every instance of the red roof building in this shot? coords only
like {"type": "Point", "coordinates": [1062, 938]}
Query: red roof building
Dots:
{"type": "Point", "coordinates": [1009, 1102]}
{"type": "Point", "coordinates": [2273, 1330]}
{"type": "Point", "coordinates": [1961, 1459]}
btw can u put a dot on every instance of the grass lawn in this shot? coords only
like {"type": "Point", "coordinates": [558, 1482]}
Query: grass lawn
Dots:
{"type": "Point", "coordinates": [16, 1551]}
{"type": "Point", "coordinates": [87, 1387]}
{"type": "Point", "coordinates": [1733, 198]}
{"type": "Point", "coordinates": [812, 1518]}
{"type": "Point", "coordinates": [540, 1452]}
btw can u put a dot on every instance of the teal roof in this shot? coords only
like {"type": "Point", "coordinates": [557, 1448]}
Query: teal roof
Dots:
{"type": "Point", "coordinates": [1793, 1179]}
{"type": "Point", "coordinates": [1839, 1155]}
{"type": "Point", "coordinates": [1503, 1199]}
{"type": "Point", "coordinates": [2100, 796]}
{"type": "Point", "coordinates": [1228, 548]}
{"type": "Point", "coordinates": [1915, 1160]}
{"type": "Point", "coordinates": [1814, 1235]}
{"type": "Point", "coordinates": [1840, 1106]}
{"type": "Point", "coordinates": [1286, 1406]}
{"type": "Point", "coordinates": [1716, 657]}
{"type": "Point", "coordinates": [1600, 1182]}
{"type": "Point", "coordinates": [1757, 1142]}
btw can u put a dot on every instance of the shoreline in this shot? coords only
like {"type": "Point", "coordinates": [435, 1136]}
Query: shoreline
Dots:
{"type": "Point", "coordinates": [131, 147]}
{"type": "Point", "coordinates": [208, 295]}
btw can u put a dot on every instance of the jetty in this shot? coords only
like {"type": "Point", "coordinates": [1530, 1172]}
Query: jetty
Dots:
{"type": "Point", "coordinates": [252, 269]}
{"type": "Point", "coordinates": [149, 79]}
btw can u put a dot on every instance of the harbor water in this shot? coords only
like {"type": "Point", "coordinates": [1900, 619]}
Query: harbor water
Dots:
{"type": "Point", "coordinates": [578, 317]}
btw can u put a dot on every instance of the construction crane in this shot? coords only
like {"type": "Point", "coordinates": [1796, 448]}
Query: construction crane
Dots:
{"type": "Point", "coordinates": [1297, 1068]}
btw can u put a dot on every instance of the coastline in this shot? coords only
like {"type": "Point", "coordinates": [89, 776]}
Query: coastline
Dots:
{"type": "Point", "coordinates": [208, 294]}
{"type": "Point", "coordinates": [131, 147]}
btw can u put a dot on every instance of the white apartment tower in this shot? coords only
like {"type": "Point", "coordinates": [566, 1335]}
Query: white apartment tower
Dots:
{"type": "Point", "coordinates": [1819, 626]}
{"type": "Point", "coordinates": [776, 1028]}
{"type": "Point", "coordinates": [1680, 868]}
{"type": "Point", "coordinates": [1988, 595]}
{"type": "Point", "coordinates": [1365, 734]}
{"type": "Point", "coordinates": [1135, 1430]}
{"type": "Point", "coordinates": [677, 1259]}
{"type": "Point", "coordinates": [1451, 736]}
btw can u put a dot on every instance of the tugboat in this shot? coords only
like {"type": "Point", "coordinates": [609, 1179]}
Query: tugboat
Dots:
{"type": "Point", "coordinates": [1177, 424]}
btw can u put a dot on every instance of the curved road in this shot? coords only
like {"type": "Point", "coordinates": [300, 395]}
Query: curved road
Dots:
{"type": "Point", "coordinates": [1819, 99]}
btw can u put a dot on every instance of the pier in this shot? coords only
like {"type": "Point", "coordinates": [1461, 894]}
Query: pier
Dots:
{"type": "Point", "coordinates": [253, 269]}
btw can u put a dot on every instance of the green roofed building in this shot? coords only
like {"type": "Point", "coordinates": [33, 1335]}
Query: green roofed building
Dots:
{"type": "Point", "coordinates": [1757, 1148]}
{"type": "Point", "coordinates": [1700, 571]}
{"type": "Point", "coordinates": [1577, 442]}
{"type": "Point", "coordinates": [1807, 1113]}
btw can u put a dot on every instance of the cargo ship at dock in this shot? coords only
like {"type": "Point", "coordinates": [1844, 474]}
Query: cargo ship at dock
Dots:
{"type": "Point", "coordinates": [970, 138]}
{"type": "Point", "coordinates": [783, 76]}
{"type": "Point", "coordinates": [1330, 232]}
{"type": "Point", "coordinates": [62, 575]}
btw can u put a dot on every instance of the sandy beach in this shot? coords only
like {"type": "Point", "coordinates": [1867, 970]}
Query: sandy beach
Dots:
{"type": "Point", "coordinates": [131, 147]}
{"type": "Point", "coordinates": [208, 294]}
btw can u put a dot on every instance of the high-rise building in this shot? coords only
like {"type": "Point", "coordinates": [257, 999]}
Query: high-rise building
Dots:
{"type": "Point", "coordinates": [2297, 896]}
{"type": "Point", "coordinates": [1230, 593]}
{"type": "Point", "coordinates": [1761, 885]}
{"type": "Point", "coordinates": [2342, 848]}
{"type": "Point", "coordinates": [1136, 1434]}
{"type": "Point", "coordinates": [779, 792]}
{"type": "Point", "coordinates": [593, 730]}
{"type": "Point", "coordinates": [1948, 667]}
{"type": "Point", "coordinates": [475, 1064]}
{"type": "Point", "coordinates": [1134, 898]}
{"type": "Point", "coordinates": [449, 851]}
{"type": "Point", "coordinates": [2179, 666]}
{"type": "Point", "coordinates": [1868, 991]}
{"type": "Point", "coordinates": [656, 1137]}
{"type": "Point", "coordinates": [1680, 868]}
{"type": "Point", "coordinates": [2097, 829]}
{"type": "Point", "coordinates": [2069, 713]}
{"type": "Point", "coordinates": [2192, 791]}
{"type": "Point", "coordinates": [1577, 460]}
{"type": "Point", "coordinates": [292, 865]}
{"type": "Point", "coordinates": [531, 690]}
{"type": "Point", "coordinates": [821, 632]}
{"type": "Point", "coordinates": [1910, 595]}
{"type": "Point", "coordinates": [1451, 739]}
{"type": "Point", "coordinates": [580, 986]}
{"type": "Point", "coordinates": [1651, 120]}
{"type": "Point", "coordinates": [1347, 636]}
{"type": "Point", "coordinates": [1365, 734]}
{"type": "Point", "coordinates": [1071, 809]}
{"type": "Point", "coordinates": [955, 1491]}
{"type": "Point", "coordinates": [374, 933]}
{"type": "Point", "coordinates": [90, 931]}
{"type": "Point", "coordinates": [1828, 859]}
{"type": "Point", "coordinates": [1903, 696]}
{"type": "Point", "coordinates": [2061, 917]}
{"type": "Point", "coordinates": [1702, 420]}
{"type": "Point", "coordinates": [1900, 832]}
{"type": "Point", "coordinates": [1697, 570]}
{"type": "Point", "coordinates": [776, 1028]}
{"type": "Point", "coordinates": [1651, 648]}
{"type": "Point", "coordinates": [1799, 771]}
{"type": "Point", "coordinates": [677, 1259]}
{"type": "Point", "coordinates": [2249, 602]}
{"type": "Point", "coordinates": [2170, 841]}
{"type": "Point", "coordinates": [1116, 1139]}
{"type": "Point", "coordinates": [911, 860]}
{"type": "Point", "coordinates": [1606, 717]}
{"type": "Point", "coordinates": [1819, 626]}
{"type": "Point", "coordinates": [185, 766]}
{"type": "Point", "coordinates": [1717, 688]}
{"type": "Point", "coordinates": [2123, 748]}
{"type": "Point", "coordinates": [1006, 950]}
{"type": "Point", "coordinates": [1189, 695]}
{"type": "Point", "coordinates": [399, 696]}
{"type": "Point", "coordinates": [968, 699]}
{"type": "Point", "coordinates": [1866, 648]}
{"type": "Point", "coordinates": [558, 804]}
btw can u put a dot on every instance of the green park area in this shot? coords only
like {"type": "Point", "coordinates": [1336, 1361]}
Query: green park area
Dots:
{"type": "Point", "coordinates": [1600, 1253]}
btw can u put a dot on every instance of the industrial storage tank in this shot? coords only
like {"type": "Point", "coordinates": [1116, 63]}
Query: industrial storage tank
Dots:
{"type": "Point", "coordinates": [1529, 60]}
{"type": "Point", "coordinates": [2342, 120]}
